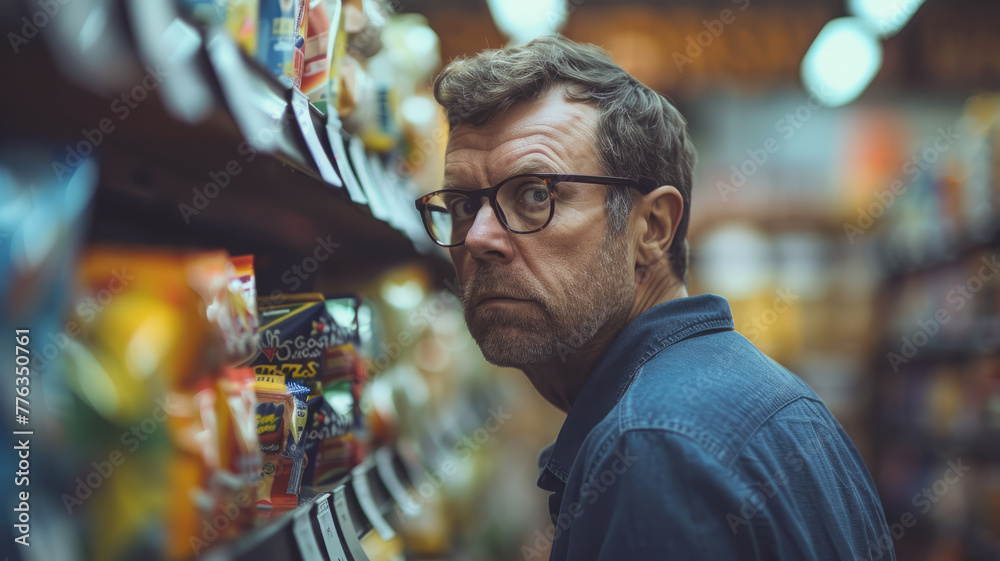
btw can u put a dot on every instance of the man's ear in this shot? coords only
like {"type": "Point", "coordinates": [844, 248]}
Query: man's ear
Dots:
{"type": "Point", "coordinates": [659, 214]}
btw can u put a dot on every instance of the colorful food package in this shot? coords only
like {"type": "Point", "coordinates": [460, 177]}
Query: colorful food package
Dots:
{"type": "Point", "coordinates": [293, 339]}
{"type": "Point", "coordinates": [139, 350]}
{"type": "Point", "coordinates": [227, 286]}
{"type": "Point", "coordinates": [326, 46]}
{"type": "Point", "coordinates": [332, 445]}
{"type": "Point", "coordinates": [242, 344]}
{"type": "Point", "coordinates": [329, 445]}
{"type": "Point", "coordinates": [236, 406]}
{"type": "Point", "coordinates": [242, 23]}
{"type": "Point", "coordinates": [276, 38]}
{"type": "Point", "coordinates": [301, 31]}
{"type": "Point", "coordinates": [275, 418]}
{"type": "Point", "coordinates": [378, 121]}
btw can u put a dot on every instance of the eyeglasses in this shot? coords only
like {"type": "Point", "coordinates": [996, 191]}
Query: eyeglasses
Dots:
{"type": "Point", "coordinates": [524, 204]}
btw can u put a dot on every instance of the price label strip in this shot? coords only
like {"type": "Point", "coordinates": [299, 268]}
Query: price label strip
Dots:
{"type": "Point", "coordinates": [333, 132]}
{"type": "Point", "coordinates": [251, 106]}
{"type": "Point", "coordinates": [300, 106]}
{"type": "Point", "coordinates": [359, 160]}
{"type": "Point", "coordinates": [334, 548]}
{"type": "Point", "coordinates": [387, 472]}
{"type": "Point", "coordinates": [412, 463]}
{"type": "Point", "coordinates": [347, 529]}
{"type": "Point", "coordinates": [359, 478]}
{"type": "Point", "coordinates": [305, 538]}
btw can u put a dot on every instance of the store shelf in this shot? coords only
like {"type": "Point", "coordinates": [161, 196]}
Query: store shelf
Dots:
{"type": "Point", "coordinates": [336, 526]}
{"type": "Point", "coordinates": [288, 192]}
{"type": "Point", "coordinates": [900, 262]}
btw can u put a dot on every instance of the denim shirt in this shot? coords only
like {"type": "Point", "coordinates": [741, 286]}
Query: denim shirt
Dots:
{"type": "Point", "coordinates": [689, 443]}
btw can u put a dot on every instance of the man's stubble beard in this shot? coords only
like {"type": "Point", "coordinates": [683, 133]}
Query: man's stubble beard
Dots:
{"type": "Point", "coordinates": [600, 295]}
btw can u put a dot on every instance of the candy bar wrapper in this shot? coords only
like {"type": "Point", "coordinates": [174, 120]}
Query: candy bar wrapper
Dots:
{"type": "Point", "coordinates": [329, 446]}
{"type": "Point", "coordinates": [275, 430]}
{"type": "Point", "coordinates": [294, 448]}
{"type": "Point", "coordinates": [236, 406]}
{"type": "Point", "coordinates": [294, 338]}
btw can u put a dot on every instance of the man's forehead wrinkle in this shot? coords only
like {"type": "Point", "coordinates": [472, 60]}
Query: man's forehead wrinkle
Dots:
{"type": "Point", "coordinates": [522, 157]}
{"type": "Point", "coordinates": [463, 172]}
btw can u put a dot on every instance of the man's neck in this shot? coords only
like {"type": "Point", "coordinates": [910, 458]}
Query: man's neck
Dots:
{"type": "Point", "coordinates": [561, 380]}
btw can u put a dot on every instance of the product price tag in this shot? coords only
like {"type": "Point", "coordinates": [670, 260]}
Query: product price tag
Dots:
{"type": "Point", "coordinates": [359, 160]}
{"type": "Point", "coordinates": [359, 478]}
{"type": "Point", "coordinates": [335, 135]}
{"type": "Point", "coordinates": [387, 472]}
{"type": "Point", "coordinates": [334, 549]}
{"type": "Point", "coordinates": [303, 114]}
{"type": "Point", "coordinates": [347, 529]}
{"type": "Point", "coordinates": [305, 537]}
{"type": "Point", "coordinates": [251, 103]}
{"type": "Point", "coordinates": [169, 44]}
{"type": "Point", "coordinates": [390, 195]}
{"type": "Point", "coordinates": [414, 467]}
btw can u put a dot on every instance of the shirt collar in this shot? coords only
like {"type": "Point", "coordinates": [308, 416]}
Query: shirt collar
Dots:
{"type": "Point", "coordinates": [655, 329]}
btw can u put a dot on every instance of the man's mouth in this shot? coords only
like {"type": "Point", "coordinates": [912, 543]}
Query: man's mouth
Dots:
{"type": "Point", "coordinates": [497, 299]}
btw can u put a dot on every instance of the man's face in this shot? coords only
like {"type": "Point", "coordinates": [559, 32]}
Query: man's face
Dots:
{"type": "Point", "coordinates": [533, 299]}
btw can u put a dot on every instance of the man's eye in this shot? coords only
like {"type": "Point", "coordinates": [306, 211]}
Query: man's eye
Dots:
{"type": "Point", "coordinates": [462, 209]}
{"type": "Point", "coordinates": [535, 195]}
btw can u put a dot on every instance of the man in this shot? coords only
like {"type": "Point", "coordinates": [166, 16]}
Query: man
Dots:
{"type": "Point", "coordinates": [567, 196]}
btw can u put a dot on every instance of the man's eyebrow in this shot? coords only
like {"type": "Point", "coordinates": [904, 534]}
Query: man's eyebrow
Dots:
{"type": "Point", "coordinates": [450, 184]}
{"type": "Point", "coordinates": [530, 167]}
{"type": "Point", "coordinates": [519, 169]}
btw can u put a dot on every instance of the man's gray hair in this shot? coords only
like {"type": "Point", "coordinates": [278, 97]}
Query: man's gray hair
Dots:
{"type": "Point", "coordinates": [640, 134]}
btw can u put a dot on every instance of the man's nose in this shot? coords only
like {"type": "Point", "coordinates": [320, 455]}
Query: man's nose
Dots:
{"type": "Point", "coordinates": [488, 239]}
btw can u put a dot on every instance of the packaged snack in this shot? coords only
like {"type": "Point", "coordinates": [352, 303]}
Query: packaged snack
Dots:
{"type": "Point", "coordinates": [294, 448]}
{"type": "Point", "coordinates": [241, 23]}
{"type": "Point", "coordinates": [293, 339]}
{"type": "Point", "coordinates": [275, 431]}
{"type": "Point", "coordinates": [325, 47]}
{"type": "Point", "coordinates": [276, 38]}
{"type": "Point", "coordinates": [236, 406]}
{"type": "Point", "coordinates": [227, 287]}
{"type": "Point", "coordinates": [328, 444]}
{"type": "Point", "coordinates": [140, 381]}
{"type": "Point", "coordinates": [301, 31]}
{"type": "Point", "coordinates": [242, 285]}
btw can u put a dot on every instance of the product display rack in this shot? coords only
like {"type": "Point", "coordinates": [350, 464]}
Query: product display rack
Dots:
{"type": "Point", "coordinates": [331, 531]}
{"type": "Point", "coordinates": [290, 188]}
{"type": "Point", "coordinates": [297, 182]}
{"type": "Point", "coordinates": [936, 401]}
